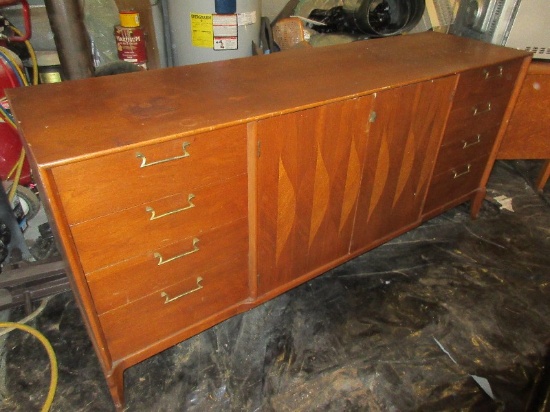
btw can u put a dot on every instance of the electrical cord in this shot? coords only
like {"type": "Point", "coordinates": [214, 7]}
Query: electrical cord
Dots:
{"type": "Point", "coordinates": [23, 78]}
{"type": "Point", "coordinates": [26, 319]}
{"type": "Point", "coordinates": [30, 317]}
{"type": "Point", "coordinates": [9, 67]}
{"type": "Point", "coordinates": [51, 355]}
{"type": "Point", "coordinates": [18, 170]}
{"type": "Point", "coordinates": [7, 117]}
{"type": "Point", "coordinates": [14, 65]}
{"type": "Point", "coordinates": [32, 54]}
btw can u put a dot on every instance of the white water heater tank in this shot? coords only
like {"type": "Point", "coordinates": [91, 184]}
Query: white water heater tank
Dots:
{"type": "Point", "coordinates": [212, 30]}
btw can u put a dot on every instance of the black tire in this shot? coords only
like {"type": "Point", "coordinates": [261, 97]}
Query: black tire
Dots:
{"type": "Point", "coordinates": [29, 200]}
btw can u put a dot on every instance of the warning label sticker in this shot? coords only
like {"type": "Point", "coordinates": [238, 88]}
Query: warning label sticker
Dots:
{"type": "Point", "coordinates": [202, 32]}
{"type": "Point", "coordinates": [247, 18]}
{"type": "Point", "coordinates": [225, 32]}
{"type": "Point", "coordinates": [226, 43]}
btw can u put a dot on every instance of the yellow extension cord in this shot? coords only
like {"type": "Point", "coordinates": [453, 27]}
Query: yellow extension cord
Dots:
{"type": "Point", "coordinates": [51, 355]}
{"type": "Point", "coordinates": [32, 54]}
{"type": "Point", "coordinates": [17, 168]}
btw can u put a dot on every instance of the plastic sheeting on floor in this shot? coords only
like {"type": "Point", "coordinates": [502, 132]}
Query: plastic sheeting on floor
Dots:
{"type": "Point", "coordinates": [452, 315]}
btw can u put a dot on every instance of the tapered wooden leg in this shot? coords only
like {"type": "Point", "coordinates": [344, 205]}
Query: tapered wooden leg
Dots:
{"type": "Point", "coordinates": [476, 202]}
{"type": "Point", "coordinates": [543, 177]}
{"type": "Point", "coordinates": [116, 385]}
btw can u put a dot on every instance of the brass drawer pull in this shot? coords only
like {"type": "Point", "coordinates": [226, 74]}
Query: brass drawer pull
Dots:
{"type": "Point", "coordinates": [168, 299]}
{"type": "Point", "coordinates": [468, 144]}
{"type": "Point", "coordinates": [482, 110]}
{"type": "Point", "coordinates": [465, 172]}
{"type": "Point", "coordinates": [487, 73]}
{"type": "Point", "coordinates": [162, 261]}
{"type": "Point", "coordinates": [144, 159]}
{"type": "Point", "coordinates": [154, 216]}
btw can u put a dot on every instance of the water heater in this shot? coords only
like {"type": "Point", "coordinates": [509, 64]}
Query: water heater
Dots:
{"type": "Point", "coordinates": [212, 30]}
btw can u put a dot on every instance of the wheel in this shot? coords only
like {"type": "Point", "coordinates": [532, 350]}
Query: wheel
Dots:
{"type": "Point", "coordinates": [29, 201]}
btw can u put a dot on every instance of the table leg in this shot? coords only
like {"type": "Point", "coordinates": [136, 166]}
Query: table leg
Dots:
{"type": "Point", "coordinates": [544, 175]}
{"type": "Point", "coordinates": [476, 202]}
{"type": "Point", "coordinates": [116, 386]}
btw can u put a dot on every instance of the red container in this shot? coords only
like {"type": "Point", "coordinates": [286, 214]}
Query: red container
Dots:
{"type": "Point", "coordinates": [10, 144]}
{"type": "Point", "coordinates": [130, 43]}
{"type": "Point", "coordinates": [10, 150]}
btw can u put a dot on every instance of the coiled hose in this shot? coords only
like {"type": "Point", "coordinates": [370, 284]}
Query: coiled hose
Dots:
{"type": "Point", "coordinates": [51, 356]}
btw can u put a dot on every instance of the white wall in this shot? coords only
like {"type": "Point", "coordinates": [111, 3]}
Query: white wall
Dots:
{"type": "Point", "coordinates": [271, 8]}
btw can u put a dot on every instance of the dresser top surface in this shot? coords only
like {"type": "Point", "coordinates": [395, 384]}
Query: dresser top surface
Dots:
{"type": "Point", "coordinates": [82, 118]}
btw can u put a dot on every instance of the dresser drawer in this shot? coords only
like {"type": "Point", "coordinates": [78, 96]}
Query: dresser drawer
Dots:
{"type": "Point", "coordinates": [160, 314]}
{"type": "Point", "coordinates": [131, 232]}
{"type": "Point", "coordinates": [454, 183]}
{"type": "Point", "coordinates": [482, 114]}
{"type": "Point", "coordinates": [107, 184]}
{"type": "Point", "coordinates": [469, 129]}
{"type": "Point", "coordinates": [464, 148]}
{"type": "Point", "coordinates": [130, 280]}
{"type": "Point", "coordinates": [497, 81]}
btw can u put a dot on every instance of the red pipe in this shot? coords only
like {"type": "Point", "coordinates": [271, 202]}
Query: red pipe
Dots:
{"type": "Point", "coordinates": [26, 19]}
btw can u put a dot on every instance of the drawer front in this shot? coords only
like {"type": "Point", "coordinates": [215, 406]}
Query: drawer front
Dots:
{"type": "Point", "coordinates": [497, 81]}
{"type": "Point", "coordinates": [135, 326]}
{"type": "Point", "coordinates": [465, 148]}
{"type": "Point", "coordinates": [133, 279]}
{"type": "Point", "coordinates": [104, 185]}
{"type": "Point", "coordinates": [131, 232]}
{"type": "Point", "coordinates": [483, 114]}
{"type": "Point", "coordinates": [454, 183]}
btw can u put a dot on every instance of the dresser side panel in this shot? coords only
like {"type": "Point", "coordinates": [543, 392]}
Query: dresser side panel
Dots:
{"type": "Point", "coordinates": [67, 248]}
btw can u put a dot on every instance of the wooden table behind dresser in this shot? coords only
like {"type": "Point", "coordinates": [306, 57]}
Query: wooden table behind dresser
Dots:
{"type": "Point", "coordinates": [528, 134]}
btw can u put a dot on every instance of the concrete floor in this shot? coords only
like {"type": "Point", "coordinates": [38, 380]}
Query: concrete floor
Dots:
{"type": "Point", "coordinates": [454, 315]}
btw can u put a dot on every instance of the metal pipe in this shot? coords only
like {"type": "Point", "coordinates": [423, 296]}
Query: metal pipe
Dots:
{"type": "Point", "coordinates": [70, 38]}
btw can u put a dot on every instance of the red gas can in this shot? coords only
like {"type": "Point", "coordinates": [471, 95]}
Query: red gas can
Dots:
{"type": "Point", "coordinates": [130, 39]}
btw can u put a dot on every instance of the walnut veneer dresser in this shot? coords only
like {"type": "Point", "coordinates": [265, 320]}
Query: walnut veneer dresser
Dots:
{"type": "Point", "coordinates": [186, 195]}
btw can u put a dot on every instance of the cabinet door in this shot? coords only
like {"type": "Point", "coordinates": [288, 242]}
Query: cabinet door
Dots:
{"type": "Point", "coordinates": [406, 130]}
{"type": "Point", "coordinates": [309, 173]}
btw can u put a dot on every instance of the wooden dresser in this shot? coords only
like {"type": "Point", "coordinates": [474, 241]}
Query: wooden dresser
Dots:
{"type": "Point", "coordinates": [186, 195]}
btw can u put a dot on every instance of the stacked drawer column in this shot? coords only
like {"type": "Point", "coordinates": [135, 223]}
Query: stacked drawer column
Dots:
{"type": "Point", "coordinates": [481, 98]}
{"type": "Point", "coordinates": [162, 234]}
